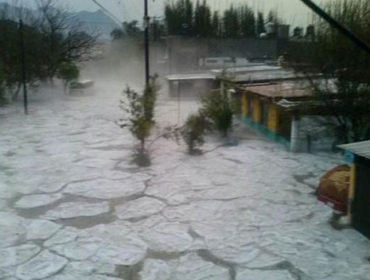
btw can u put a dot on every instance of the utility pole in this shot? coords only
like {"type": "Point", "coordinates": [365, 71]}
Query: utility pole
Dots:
{"type": "Point", "coordinates": [146, 40]}
{"type": "Point", "coordinates": [334, 23]}
{"type": "Point", "coordinates": [23, 66]}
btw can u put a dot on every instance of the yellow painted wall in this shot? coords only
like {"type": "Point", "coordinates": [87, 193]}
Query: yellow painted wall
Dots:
{"type": "Point", "coordinates": [273, 118]}
{"type": "Point", "coordinates": [352, 189]}
{"type": "Point", "coordinates": [245, 105]}
{"type": "Point", "coordinates": [257, 110]}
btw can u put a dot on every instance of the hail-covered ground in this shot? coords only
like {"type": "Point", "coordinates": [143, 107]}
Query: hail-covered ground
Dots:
{"type": "Point", "coordinates": [72, 206]}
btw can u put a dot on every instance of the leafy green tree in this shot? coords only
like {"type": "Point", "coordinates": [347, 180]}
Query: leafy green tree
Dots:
{"type": "Point", "coordinates": [189, 15]}
{"type": "Point", "coordinates": [182, 18]}
{"type": "Point", "coordinates": [231, 23]}
{"type": "Point", "coordinates": [131, 29]}
{"type": "Point", "coordinates": [68, 73]}
{"type": "Point", "coordinates": [117, 34]}
{"type": "Point", "coordinates": [260, 23]}
{"type": "Point", "coordinates": [203, 19]}
{"type": "Point", "coordinates": [179, 17]}
{"type": "Point", "coordinates": [216, 25]}
{"type": "Point", "coordinates": [247, 21]}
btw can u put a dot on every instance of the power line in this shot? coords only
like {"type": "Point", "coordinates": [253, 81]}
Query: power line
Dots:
{"type": "Point", "coordinates": [107, 12]}
{"type": "Point", "coordinates": [356, 40]}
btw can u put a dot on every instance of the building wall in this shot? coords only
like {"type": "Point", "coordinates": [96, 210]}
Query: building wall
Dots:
{"type": "Point", "coordinates": [245, 105]}
{"type": "Point", "coordinates": [273, 118]}
{"type": "Point", "coordinates": [352, 190]}
{"type": "Point", "coordinates": [304, 134]}
{"type": "Point", "coordinates": [257, 109]}
{"type": "Point", "coordinates": [361, 202]}
{"type": "Point", "coordinates": [251, 114]}
{"type": "Point", "coordinates": [309, 134]}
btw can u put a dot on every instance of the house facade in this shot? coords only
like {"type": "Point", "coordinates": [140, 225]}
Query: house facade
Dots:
{"type": "Point", "coordinates": [359, 193]}
{"type": "Point", "coordinates": [275, 110]}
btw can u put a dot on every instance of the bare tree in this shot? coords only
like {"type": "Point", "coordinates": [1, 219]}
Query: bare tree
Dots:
{"type": "Point", "coordinates": [343, 94]}
{"type": "Point", "coordinates": [64, 42]}
{"type": "Point", "coordinates": [52, 37]}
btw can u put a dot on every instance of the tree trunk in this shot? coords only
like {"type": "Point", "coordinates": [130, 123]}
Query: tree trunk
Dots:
{"type": "Point", "coordinates": [142, 146]}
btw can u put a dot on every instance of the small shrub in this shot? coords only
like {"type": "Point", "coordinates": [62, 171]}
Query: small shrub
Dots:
{"type": "Point", "coordinates": [140, 118]}
{"type": "Point", "coordinates": [218, 108]}
{"type": "Point", "coordinates": [193, 132]}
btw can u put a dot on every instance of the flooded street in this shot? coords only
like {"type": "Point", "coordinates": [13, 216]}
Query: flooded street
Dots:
{"type": "Point", "coordinates": [73, 206]}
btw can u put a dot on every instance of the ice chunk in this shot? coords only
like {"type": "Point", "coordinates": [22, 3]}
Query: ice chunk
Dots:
{"type": "Point", "coordinates": [192, 267]}
{"type": "Point", "coordinates": [168, 237]}
{"type": "Point", "coordinates": [17, 255]}
{"type": "Point", "coordinates": [33, 201]}
{"type": "Point", "coordinates": [139, 208]}
{"type": "Point", "coordinates": [65, 235]}
{"type": "Point", "coordinates": [43, 265]}
{"type": "Point", "coordinates": [265, 275]}
{"type": "Point", "coordinates": [121, 251]}
{"type": "Point", "coordinates": [77, 209]}
{"type": "Point", "coordinates": [41, 229]}
{"type": "Point", "coordinates": [12, 230]}
{"type": "Point", "coordinates": [156, 270]}
{"type": "Point", "coordinates": [80, 249]}
{"type": "Point", "coordinates": [106, 189]}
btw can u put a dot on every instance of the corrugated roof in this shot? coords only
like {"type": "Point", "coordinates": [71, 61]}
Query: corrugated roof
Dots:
{"type": "Point", "coordinates": [279, 90]}
{"type": "Point", "coordinates": [190, 77]}
{"type": "Point", "coordinates": [359, 148]}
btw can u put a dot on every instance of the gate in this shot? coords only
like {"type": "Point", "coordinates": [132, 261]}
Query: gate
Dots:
{"type": "Point", "coordinates": [361, 207]}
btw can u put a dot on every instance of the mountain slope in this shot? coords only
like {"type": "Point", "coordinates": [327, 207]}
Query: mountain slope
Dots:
{"type": "Point", "coordinates": [97, 22]}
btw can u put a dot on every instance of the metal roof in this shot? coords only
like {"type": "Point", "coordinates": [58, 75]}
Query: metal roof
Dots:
{"type": "Point", "coordinates": [280, 90]}
{"type": "Point", "coordinates": [359, 148]}
{"type": "Point", "coordinates": [190, 77]}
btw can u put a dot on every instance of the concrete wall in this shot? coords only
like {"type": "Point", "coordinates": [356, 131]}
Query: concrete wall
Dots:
{"type": "Point", "coordinates": [310, 134]}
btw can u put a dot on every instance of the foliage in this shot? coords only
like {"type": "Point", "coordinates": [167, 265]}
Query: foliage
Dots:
{"type": "Point", "coordinates": [344, 91]}
{"type": "Point", "coordinates": [10, 57]}
{"type": "Point", "coordinates": [218, 108]}
{"type": "Point", "coordinates": [179, 17]}
{"type": "Point", "coordinates": [182, 18]}
{"type": "Point", "coordinates": [260, 23]}
{"type": "Point", "coordinates": [150, 99]}
{"type": "Point", "coordinates": [140, 117]}
{"type": "Point", "coordinates": [68, 72]}
{"type": "Point", "coordinates": [128, 30]}
{"type": "Point", "coordinates": [193, 133]}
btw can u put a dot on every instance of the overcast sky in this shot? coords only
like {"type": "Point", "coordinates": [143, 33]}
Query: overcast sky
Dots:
{"type": "Point", "coordinates": [292, 11]}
